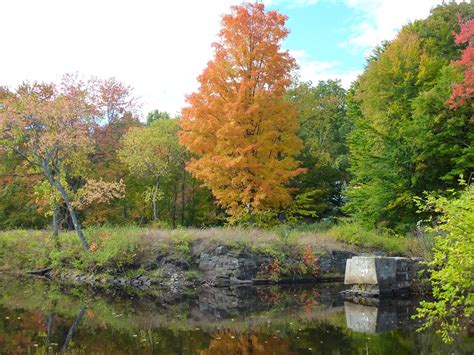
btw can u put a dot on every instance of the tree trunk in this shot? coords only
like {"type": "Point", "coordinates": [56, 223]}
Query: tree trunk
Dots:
{"type": "Point", "coordinates": [250, 212]}
{"type": "Point", "coordinates": [154, 198]}
{"type": "Point", "coordinates": [193, 202]}
{"type": "Point", "coordinates": [183, 187]}
{"type": "Point", "coordinates": [57, 185]}
{"type": "Point", "coordinates": [49, 330]}
{"type": "Point", "coordinates": [56, 221]}
{"type": "Point", "coordinates": [175, 198]}
{"type": "Point", "coordinates": [281, 216]}
{"type": "Point", "coordinates": [77, 227]}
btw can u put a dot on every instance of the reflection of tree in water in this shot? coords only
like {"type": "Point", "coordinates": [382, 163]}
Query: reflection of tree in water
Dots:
{"type": "Point", "coordinates": [73, 328]}
{"type": "Point", "coordinates": [169, 341]}
{"type": "Point", "coordinates": [19, 331]}
{"type": "Point", "coordinates": [269, 295]}
{"type": "Point", "coordinates": [115, 325]}
{"type": "Point", "coordinates": [322, 338]}
{"type": "Point", "coordinates": [309, 299]}
{"type": "Point", "coordinates": [229, 343]}
{"type": "Point", "coordinates": [275, 295]}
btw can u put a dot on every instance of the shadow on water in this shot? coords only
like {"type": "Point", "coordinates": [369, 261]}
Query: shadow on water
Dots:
{"type": "Point", "coordinates": [37, 316]}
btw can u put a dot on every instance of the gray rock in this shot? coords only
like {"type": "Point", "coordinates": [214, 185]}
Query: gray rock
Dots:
{"type": "Point", "coordinates": [334, 262]}
{"type": "Point", "coordinates": [244, 266]}
{"type": "Point", "coordinates": [225, 264]}
{"type": "Point", "coordinates": [220, 281]}
{"type": "Point", "coordinates": [221, 250]}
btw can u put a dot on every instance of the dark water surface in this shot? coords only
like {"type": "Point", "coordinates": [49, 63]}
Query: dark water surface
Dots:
{"type": "Point", "coordinates": [38, 316]}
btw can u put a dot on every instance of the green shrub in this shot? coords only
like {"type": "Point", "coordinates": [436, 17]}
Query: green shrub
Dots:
{"type": "Point", "coordinates": [182, 245]}
{"type": "Point", "coordinates": [110, 249]}
{"type": "Point", "coordinates": [452, 275]}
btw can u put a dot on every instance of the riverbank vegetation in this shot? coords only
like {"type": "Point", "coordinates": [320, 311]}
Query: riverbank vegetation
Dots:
{"type": "Point", "coordinates": [257, 157]}
{"type": "Point", "coordinates": [118, 249]}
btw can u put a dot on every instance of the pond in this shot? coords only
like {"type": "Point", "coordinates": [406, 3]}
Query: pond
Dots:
{"type": "Point", "coordinates": [39, 316]}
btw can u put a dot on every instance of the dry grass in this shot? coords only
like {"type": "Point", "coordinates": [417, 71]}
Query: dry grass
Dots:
{"type": "Point", "coordinates": [205, 239]}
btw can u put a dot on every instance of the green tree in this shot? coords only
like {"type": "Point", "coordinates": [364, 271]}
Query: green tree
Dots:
{"type": "Point", "coordinates": [156, 115]}
{"type": "Point", "coordinates": [324, 125]}
{"type": "Point", "coordinates": [405, 139]}
{"type": "Point", "coordinates": [153, 152]}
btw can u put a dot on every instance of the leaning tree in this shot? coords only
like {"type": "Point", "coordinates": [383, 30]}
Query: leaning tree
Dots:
{"type": "Point", "coordinates": [50, 127]}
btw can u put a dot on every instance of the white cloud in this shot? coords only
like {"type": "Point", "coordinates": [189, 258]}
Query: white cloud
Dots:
{"type": "Point", "coordinates": [157, 47]}
{"type": "Point", "coordinates": [315, 70]}
{"type": "Point", "coordinates": [380, 20]}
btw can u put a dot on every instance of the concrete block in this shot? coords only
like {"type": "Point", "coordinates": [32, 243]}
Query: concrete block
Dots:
{"type": "Point", "coordinates": [370, 270]}
{"type": "Point", "coordinates": [373, 275]}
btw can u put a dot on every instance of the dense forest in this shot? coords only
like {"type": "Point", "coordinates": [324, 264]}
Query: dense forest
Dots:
{"type": "Point", "coordinates": [404, 127]}
{"type": "Point", "coordinates": [255, 146]}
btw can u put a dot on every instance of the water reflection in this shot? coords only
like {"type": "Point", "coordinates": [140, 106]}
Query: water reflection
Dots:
{"type": "Point", "coordinates": [379, 317]}
{"type": "Point", "coordinates": [73, 329]}
{"type": "Point", "coordinates": [47, 318]}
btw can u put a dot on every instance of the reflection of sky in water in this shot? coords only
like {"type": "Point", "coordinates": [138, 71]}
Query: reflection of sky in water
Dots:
{"type": "Point", "coordinates": [45, 317]}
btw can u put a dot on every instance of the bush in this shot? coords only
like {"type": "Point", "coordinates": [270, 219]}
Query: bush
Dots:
{"type": "Point", "coordinates": [452, 275]}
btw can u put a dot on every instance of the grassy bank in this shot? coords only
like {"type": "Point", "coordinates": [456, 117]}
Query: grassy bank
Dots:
{"type": "Point", "coordinates": [117, 249]}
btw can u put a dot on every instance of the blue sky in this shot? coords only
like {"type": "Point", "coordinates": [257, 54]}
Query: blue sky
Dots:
{"type": "Point", "coordinates": [160, 47]}
{"type": "Point", "coordinates": [321, 30]}
{"type": "Point", "coordinates": [331, 38]}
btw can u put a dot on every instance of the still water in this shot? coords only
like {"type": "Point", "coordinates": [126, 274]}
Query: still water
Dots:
{"type": "Point", "coordinates": [37, 316]}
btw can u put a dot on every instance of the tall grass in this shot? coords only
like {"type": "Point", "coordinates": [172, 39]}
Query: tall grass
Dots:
{"type": "Point", "coordinates": [384, 241]}
{"type": "Point", "coordinates": [118, 248]}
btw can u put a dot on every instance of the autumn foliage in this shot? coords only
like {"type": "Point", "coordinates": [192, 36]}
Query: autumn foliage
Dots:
{"type": "Point", "coordinates": [50, 127]}
{"type": "Point", "coordinates": [238, 123]}
{"type": "Point", "coordinates": [464, 92]}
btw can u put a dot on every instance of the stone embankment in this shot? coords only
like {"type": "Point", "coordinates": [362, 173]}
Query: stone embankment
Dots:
{"type": "Point", "coordinates": [219, 267]}
{"type": "Point", "coordinates": [223, 267]}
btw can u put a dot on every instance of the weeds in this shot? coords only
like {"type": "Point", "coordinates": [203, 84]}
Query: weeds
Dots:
{"type": "Point", "coordinates": [116, 249]}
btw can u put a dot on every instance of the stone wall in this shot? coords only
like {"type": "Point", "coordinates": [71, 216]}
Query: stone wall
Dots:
{"type": "Point", "coordinates": [223, 267]}
{"type": "Point", "coordinates": [218, 266]}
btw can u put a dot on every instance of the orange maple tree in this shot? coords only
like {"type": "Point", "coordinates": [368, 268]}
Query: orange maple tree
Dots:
{"type": "Point", "coordinates": [238, 123]}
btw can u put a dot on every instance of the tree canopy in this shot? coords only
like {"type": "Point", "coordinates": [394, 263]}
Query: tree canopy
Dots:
{"type": "Point", "coordinates": [406, 137]}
